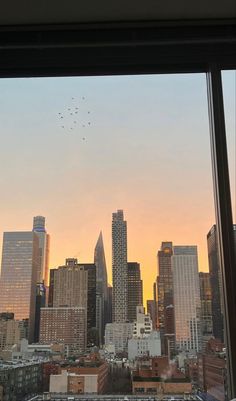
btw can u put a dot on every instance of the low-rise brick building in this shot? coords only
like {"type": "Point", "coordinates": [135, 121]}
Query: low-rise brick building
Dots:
{"type": "Point", "coordinates": [157, 386]}
{"type": "Point", "coordinates": [79, 379]}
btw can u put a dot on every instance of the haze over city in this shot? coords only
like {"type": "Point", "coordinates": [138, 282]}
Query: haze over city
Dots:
{"type": "Point", "coordinates": [146, 151]}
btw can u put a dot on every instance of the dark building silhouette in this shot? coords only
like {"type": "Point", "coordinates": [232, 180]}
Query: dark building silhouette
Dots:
{"type": "Point", "coordinates": [206, 306]}
{"type": "Point", "coordinates": [109, 303]}
{"type": "Point", "coordinates": [51, 287]}
{"type": "Point", "coordinates": [135, 290]}
{"type": "Point", "coordinates": [152, 306]}
{"type": "Point", "coordinates": [151, 309]}
{"type": "Point", "coordinates": [92, 334]}
{"type": "Point", "coordinates": [216, 282]}
{"type": "Point", "coordinates": [40, 303]}
{"type": "Point", "coordinates": [165, 293]}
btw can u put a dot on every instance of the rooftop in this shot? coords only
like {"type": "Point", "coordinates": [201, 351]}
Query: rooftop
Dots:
{"type": "Point", "coordinates": [69, 397]}
{"type": "Point", "coordinates": [18, 364]}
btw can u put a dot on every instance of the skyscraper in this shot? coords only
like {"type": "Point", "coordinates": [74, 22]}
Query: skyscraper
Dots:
{"type": "Point", "coordinates": [109, 303]}
{"type": "Point", "coordinates": [135, 290]}
{"type": "Point", "coordinates": [9, 330]}
{"type": "Point", "coordinates": [165, 293]}
{"type": "Point", "coordinates": [216, 281]}
{"type": "Point", "coordinates": [40, 303]}
{"type": "Point", "coordinates": [66, 326]}
{"type": "Point", "coordinates": [186, 298]}
{"type": "Point", "coordinates": [68, 286]}
{"type": "Point", "coordinates": [101, 287]}
{"type": "Point", "coordinates": [74, 285]}
{"type": "Point", "coordinates": [44, 243]}
{"type": "Point", "coordinates": [155, 323]}
{"type": "Point", "coordinates": [119, 268]}
{"type": "Point", "coordinates": [151, 309]}
{"type": "Point", "coordinates": [206, 306]}
{"type": "Point", "coordinates": [20, 256]}
{"type": "Point", "coordinates": [92, 333]}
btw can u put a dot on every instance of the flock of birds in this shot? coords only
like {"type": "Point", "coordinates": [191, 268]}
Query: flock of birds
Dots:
{"type": "Point", "coordinates": [74, 117]}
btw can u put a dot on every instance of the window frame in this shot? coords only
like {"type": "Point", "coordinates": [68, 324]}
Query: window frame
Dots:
{"type": "Point", "coordinates": [145, 48]}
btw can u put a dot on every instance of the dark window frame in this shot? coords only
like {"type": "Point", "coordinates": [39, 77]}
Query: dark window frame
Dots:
{"type": "Point", "coordinates": [145, 48]}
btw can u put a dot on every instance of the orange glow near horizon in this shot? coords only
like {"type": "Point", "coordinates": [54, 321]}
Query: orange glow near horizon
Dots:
{"type": "Point", "coordinates": [141, 249]}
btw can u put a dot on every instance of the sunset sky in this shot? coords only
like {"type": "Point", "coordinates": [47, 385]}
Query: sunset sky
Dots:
{"type": "Point", "coordinates": [139, 143]}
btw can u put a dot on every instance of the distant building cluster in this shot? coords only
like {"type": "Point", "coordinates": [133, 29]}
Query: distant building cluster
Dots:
{"type": "Point", "coordinates": [66, 330]}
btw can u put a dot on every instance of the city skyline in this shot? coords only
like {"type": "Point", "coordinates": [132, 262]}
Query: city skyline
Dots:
{"type": "Point", "coordinates": [148, 294]}
{"type": "Point", "coordinates": [141, 127]}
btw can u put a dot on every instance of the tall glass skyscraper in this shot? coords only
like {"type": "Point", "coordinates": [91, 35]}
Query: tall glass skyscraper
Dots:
{"type": "Point", "coordinates": [44, 243]}
{"type": "Point", "coordinates": [20, 256]}
{"type": "Point", "coordinates": [186, 298]}
{"type": "Point", "coordinates": [119, 268]}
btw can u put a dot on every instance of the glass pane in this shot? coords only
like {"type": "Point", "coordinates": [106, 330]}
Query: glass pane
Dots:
{"type": "Point", "coordinates": [120, 168]}
{"type": "Point", "coordinates": [229, 85]}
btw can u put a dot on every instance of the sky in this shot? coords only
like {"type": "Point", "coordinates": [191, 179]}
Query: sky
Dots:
{"type": "Point", "coordinates": [139, 143]}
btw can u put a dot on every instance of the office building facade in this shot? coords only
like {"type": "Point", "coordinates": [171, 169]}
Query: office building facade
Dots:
{"type": "Point", "coordinates": [206, 306]}
{"type": "Point", "coordinates": [66, 326]}
{"type": "Point", "coordinates": [165, 295]}
{"type": "Point", "coordinates": [117, 336]}
{"type": "Point", "coordinates": [39, 303]}
{"type": "Point", "coordinates": [149, 346]}
{"type": "Point", "coordinates": [68, 285]}
{"type": "Point", "coordinates": [152, 310]}
{"type": "Point", "coordinates": [20, 261]}
{"type": "Point", "coordinates": [92, 332]}
{"type": "Point", "coordinates": [9, 331]}
{"type": "Point", "coordinates": [74, 285]}
{"type": "Point", "coordinates": [119, 268]}
{"type": "Point", "coordinates": [135, 290]}
{"type": "Point", "coordinates": [109, 303]}
{"type": "Point", "coordinates": [187, 302]}
{"type": "Point", "coordinates": [142, 326]}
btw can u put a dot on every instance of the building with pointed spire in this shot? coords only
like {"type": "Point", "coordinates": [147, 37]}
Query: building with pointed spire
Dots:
{"type": "Point", "coordinates": [101, 288]}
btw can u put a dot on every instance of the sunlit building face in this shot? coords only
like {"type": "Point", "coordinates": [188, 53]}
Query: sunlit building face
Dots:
{"type": "Point", "coordinates": [18, 275]}
{"type": "Point", "coordinates": [186, 298]}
